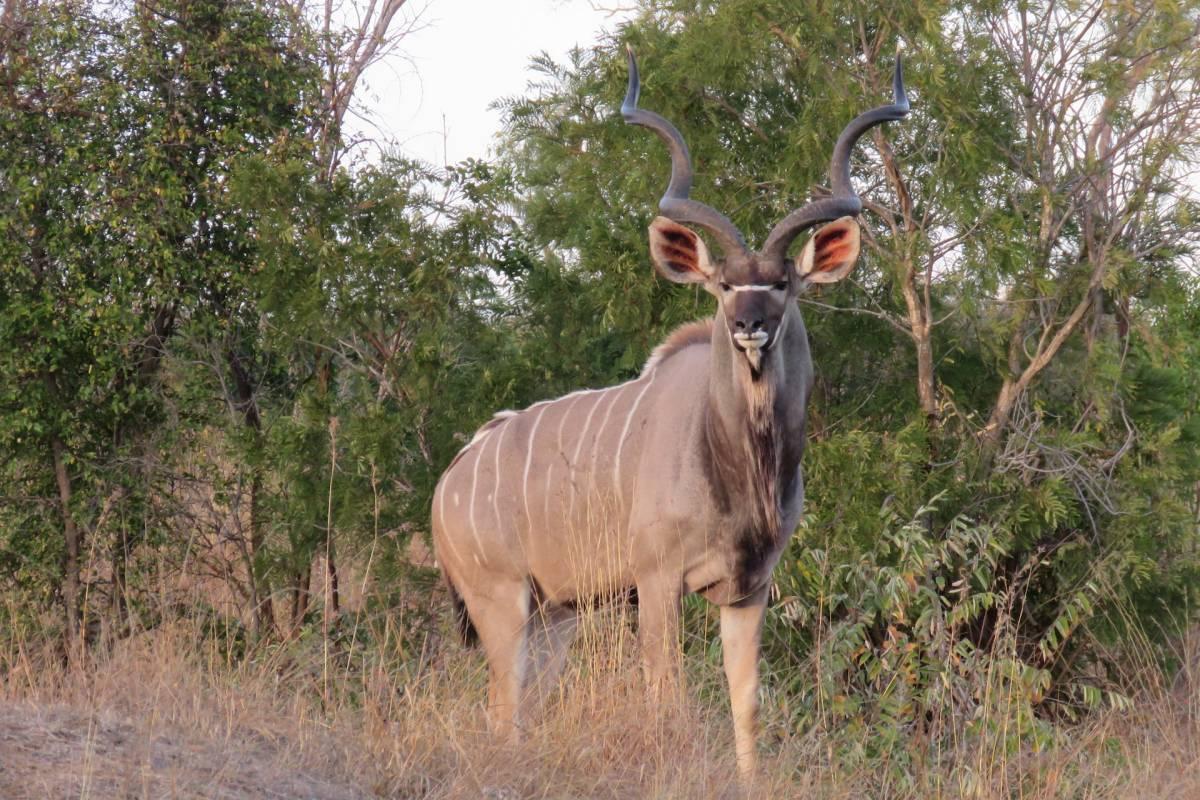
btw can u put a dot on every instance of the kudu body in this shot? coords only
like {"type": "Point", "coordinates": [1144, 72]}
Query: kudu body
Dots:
{"type": "Point", "coordinates": [685, 479]}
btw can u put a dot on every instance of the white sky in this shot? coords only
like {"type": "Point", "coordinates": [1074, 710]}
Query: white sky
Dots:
{"type": "Point", "coordinates": [432, 95]}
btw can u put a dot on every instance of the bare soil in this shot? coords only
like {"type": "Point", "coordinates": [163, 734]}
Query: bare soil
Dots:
{"type": "Point", "coordinates": [58, 752]}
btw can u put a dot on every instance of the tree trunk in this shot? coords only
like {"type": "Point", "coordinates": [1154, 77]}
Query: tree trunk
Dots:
{"type": "Point", "coordinates": [331, 586]}
{"type": "Point", "coordinates": [926, 379]}
{"type": "Point", "coordinates": [1017, 382]}
{"type": "Point", "coordinates": [331, 581]}
{"type": "Point", "coordinates": [70, 563]}
{"type": "Point", "coordinates": [118, 607]}
{"type": "Point", "coordinates": [914, 286]}
{"type": "Point", "coordinates": [264, 611]}
{"type": "Point", "coordinates": [301, 592]}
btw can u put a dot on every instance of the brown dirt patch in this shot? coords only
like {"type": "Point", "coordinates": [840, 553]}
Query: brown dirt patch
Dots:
{"type": "Point", "coordinates": [58, 752]}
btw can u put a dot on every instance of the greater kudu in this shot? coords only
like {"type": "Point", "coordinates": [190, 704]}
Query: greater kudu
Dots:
{"type": "Point", "coordinates": [685, 479]}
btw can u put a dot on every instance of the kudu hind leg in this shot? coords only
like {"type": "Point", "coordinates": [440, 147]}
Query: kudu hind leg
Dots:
{"type": "Point", "coordinates": [552, 628]}
{"type": "Point", "coordinates": [501, 618]}
{"type": "Point", "coordinates": [741, 635]}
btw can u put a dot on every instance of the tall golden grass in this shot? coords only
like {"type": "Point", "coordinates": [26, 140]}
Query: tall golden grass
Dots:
{"type": "Point", "coordinates": [178, 712]}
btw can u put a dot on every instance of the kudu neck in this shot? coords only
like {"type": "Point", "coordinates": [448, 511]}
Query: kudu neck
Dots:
{"type": "Point", "coordinates": [753, 436]}
{"type": "Point", "coordinates": [776, 394]}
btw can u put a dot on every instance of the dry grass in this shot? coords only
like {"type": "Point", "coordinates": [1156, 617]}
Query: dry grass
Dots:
{"type": "Point", "coordinates": [156, 719]}
{"type": "Point", "coordinates": [168, 713]}
{"type": "Point", "coordinates": [161, 717]}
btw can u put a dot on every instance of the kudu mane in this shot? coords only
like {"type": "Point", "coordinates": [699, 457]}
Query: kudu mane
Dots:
{"type": "Point", "coordinates": [686, 335]}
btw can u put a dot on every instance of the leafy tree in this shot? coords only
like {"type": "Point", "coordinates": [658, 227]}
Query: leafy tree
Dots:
{"type": "Point", "coordinates": [122, 135]}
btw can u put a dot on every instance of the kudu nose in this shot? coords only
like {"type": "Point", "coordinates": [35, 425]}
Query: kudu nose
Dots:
{"type": "Point", "coordinates": [749, 325]}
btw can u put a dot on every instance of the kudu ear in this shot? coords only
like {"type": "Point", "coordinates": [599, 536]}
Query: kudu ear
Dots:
{"type": "Point", "coordinates": [830, 253]}
{"type": "Point", "coordinates": [679, 254]}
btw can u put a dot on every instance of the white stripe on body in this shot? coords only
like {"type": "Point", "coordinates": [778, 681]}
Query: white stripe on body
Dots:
{"type": "Point", "coordinates": [528, 461]}
{"type": "Point", "coordinates": [441, 490]}
{"type": "Point", "coordinates": [621, 439]}
{"type": "Point", "coordinates": [574, 466]}
{"type": "Point", "coordinates": [445, 531]}
{"type": "Point", "coordinates": [616, 390]}
{"type": "Point", "coordinates": [474, 485]}
{"type": "Point", "coordinates": [546, 494]}
{"type": "Point", "coordinates": [574, 397]}
{"type": "Point", "coordinates": [616, 393]}
{"type": "Point", "coordinates": [496, 491]}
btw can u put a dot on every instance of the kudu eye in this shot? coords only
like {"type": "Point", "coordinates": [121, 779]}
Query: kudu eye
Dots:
{"type": "Point", "coordinates": [781, 286]}
{"type": "Point", "coordinates": [725, 287]}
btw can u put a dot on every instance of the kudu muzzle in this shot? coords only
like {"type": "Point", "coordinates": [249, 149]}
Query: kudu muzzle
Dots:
{"type": "Point", "coordinates": [754, 318]}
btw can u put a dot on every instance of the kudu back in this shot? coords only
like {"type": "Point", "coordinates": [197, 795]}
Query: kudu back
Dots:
{"type": "Point", "coordinates": [685, 479]}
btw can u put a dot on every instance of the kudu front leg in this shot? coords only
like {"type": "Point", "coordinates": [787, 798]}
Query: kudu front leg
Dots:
{"type": "Point", "coordinates": [658, 633]}
{"type": "Point", "coordinates": [741, 634]}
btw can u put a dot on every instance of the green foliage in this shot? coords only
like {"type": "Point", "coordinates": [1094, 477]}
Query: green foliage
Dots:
{"type": "Point", "coordinates": [914, 638]}
{"type": "Point", "coordinates": [378, 306]}
{"type": "Point", "coordinates": [121, 136]}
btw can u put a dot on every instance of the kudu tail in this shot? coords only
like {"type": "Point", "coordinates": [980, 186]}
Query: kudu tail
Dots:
{"type": "Point", "coordinates": [466, 628]}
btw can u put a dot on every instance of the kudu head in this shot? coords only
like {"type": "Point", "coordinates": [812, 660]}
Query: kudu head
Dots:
{"type": "Point", "coordinates": [753, 290]}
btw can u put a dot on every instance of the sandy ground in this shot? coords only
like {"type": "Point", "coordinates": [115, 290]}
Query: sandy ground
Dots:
{"type": "Point", "coordinates": [57, 752]}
